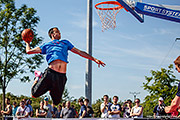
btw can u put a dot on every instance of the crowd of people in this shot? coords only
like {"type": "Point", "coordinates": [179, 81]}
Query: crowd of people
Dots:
{"type": "Point", "coordinates": [66, 110]}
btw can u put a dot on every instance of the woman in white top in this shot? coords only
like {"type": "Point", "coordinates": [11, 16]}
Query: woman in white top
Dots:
{"type": "Point", "coordinates": [137, 110]}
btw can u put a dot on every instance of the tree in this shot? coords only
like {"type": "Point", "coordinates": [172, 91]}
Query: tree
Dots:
{"type": "Point", "coordinates": [161, 84]}
{"type": "Point", "coordinates": [14, 61]}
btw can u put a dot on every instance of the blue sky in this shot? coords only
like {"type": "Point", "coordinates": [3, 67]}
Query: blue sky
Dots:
{"type": "Point", "coordinates": [130, 51]}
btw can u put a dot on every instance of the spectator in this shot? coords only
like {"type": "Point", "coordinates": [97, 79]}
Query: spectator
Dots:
{"type": "Point", "coordinates": [127, 106]}
{"type": "Point", "coordinates": [48, 107]}
{"type": "Point", "coordinates": [90, 112]}
{"type": "Point", "coordinates": [114, 109]}
{"type": "Point", "coordinates": [83, 109]}
{"type": "Point", "coordinates": [159, 109]}
{"type": "Point", "coordinates": [28, 104]}
{"type": "Point", "coordinates": [14, 108]}
{"type": "Point", "coordinates": [75, 111]}
{"type": "Point", "coordinates": [41, 112]}
{"type": "Point", "coordinates": [8, 110]}
{"type": "Point", "coordinates": [63, 105]}
{"type": "Point", "coordinates": [22, 111]}
{"type": "Point", "coordinates": [59, 111]}
{"type": "Point", "coordinates": [104, 107]}
{"type": "Point", "coordinates": [68, 112]}
{"type": "Point", "coordinates": [137, 110]}
{"type": "Point", "coordinates": [55, 111]}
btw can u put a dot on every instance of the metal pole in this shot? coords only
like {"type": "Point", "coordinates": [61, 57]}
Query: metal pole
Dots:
{"type": "Point", "coordinates": [134, 94]}
{"type": "Point", "coordinates": [88, 83]}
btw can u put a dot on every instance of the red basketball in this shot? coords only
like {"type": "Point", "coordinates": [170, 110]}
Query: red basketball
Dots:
{"type": "Point", "coordinates": [27, 35]}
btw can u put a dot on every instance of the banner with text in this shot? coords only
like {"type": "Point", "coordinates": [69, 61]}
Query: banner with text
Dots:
{"type": "Point", "coordinates": [158, 11]}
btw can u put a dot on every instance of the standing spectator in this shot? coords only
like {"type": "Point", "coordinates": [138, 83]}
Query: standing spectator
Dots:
{"type": "Point", "coordinates": [159, 109]}
{"type": "Point", "coordinates": [77, 115]}
{"type": "Point", "coordinates": [59, 111]}
{"type": "Point", "coordinates": [127, 106]}
{"type": "Point", "coordinates": [90, 112]}
{"type": "Point", "coordinates": [104, 107]}
{"type": "Point", "coordinates": [28, 104]}
{"type": "Point", "coordinates": [14, 108]}
{"type": "Point", "coordinates": [68, 112]}
{"type": "Point", "coordinates": [8, 110]}
{"type": "Point", "coordinates": [22, 111]}
{"type": "Point", "coordinates": [63, 105]}
{"type": "Point", "coordinates": [137, 110]}
{"type": "Point", "coordinates": [48, 107]}
{"type": "Point", "coordinates": [41, 112]}
{"type": "Point", "coordinates": [55, 111]}
{"type": "Point", "coordinates": [83, 109]}
{"type": "Point", "coordinates": [114, 109]}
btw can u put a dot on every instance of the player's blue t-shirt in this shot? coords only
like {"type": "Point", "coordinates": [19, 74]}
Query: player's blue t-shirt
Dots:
{"type": "Point", "coordinates": [56, 50]}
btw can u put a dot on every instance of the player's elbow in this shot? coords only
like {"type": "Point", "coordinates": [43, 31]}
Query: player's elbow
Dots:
{"type": "Point", "coordinates": [28, 51]}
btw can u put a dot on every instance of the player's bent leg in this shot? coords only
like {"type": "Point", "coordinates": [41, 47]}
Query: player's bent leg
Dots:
{"type": "Point", "coordinates": [42, 86]}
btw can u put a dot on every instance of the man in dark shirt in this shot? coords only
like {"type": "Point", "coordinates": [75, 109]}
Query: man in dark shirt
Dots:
{"type": "Point", "coordinates": [83, 109]}
{"type": "Point", "coordinates": [90, 112]}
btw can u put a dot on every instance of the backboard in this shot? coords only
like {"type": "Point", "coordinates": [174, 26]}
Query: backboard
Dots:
{"type": "Point", "coordinates": [132, 10]}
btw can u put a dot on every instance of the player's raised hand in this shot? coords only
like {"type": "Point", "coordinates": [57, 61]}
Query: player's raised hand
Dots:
{"type": "Point", "coordinates": [100, 63]}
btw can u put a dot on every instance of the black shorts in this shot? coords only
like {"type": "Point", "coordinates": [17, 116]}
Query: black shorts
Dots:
{"type": "Point", "coordinates": [50, 81]}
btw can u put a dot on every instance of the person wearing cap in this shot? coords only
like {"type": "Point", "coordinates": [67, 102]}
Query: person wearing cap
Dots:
{"type": "Point", "coordinates": [48, 107]}
{"type": "Point", "coordinates": [159, 109]}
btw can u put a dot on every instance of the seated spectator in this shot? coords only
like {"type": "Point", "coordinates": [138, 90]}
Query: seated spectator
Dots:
{"type": "Point", "coordinates": [8, 110]}
{"type": "Point", "coordinates": [114, 109]}
{"type": "Point", "coordinates": [59, 111]}
{"type": "Point", "coordinates": [14, 108]}
{"type": "Point", "coordinates": [159, 110]}
{"type": "Point", "coordinates": [68, 112]}
{"type": "Point", "coordinates": [126, 108]}
{"type": "Point", "coordinates": [83, 109]}
{"type": "Point", "coordinates": [22, 111]}
{"type": "Point", "coordinates": [90, 112]}
{"type": "Point", "coordinates": [55, 111]}
{"type": "Point", "coordinates": [104, 106]}
{"type": "Point", "coordinates": [41, 112]}
{"type": "Point", "coordinates": [137, 110]}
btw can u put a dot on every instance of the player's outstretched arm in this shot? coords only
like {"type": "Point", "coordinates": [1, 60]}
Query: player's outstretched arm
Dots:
{"type": "Point", "coordinates": [32, 51]}
{"type": "Point", "coordinates": [174, 105]}
{"type": "Point", "coordinates": [87, 56]}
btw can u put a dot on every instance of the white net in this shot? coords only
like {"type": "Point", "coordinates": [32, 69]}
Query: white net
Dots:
{"type": "Point", "coordinates": [108, 16]}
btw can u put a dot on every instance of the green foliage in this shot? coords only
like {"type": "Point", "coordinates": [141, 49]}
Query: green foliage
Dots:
{"type": "Point", "coordinates": [14, 61]}
{"type": "Point", "coordinates": [161, 84]}
{"type": "Point", "coordinates": [96, 108]}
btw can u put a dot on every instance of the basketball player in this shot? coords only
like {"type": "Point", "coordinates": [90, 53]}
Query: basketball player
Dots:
{"type": "Point", "coordinates": [54, 77]}
{"type": "Point", "coordinates": [176, 101]}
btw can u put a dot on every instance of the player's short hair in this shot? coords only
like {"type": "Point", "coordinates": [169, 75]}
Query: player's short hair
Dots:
{"type": "Point", "coordinates": [51, 31]}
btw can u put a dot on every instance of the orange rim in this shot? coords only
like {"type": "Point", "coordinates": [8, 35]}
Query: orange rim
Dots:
{"type": "Point", "coordinates": [111, 8]}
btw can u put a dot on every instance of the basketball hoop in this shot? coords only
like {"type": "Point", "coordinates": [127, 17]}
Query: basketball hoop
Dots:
{"type": "Point", "coordinates": [107, 12]}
